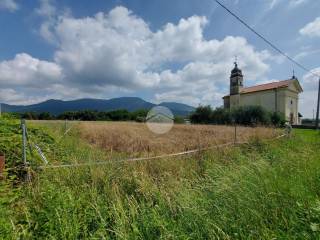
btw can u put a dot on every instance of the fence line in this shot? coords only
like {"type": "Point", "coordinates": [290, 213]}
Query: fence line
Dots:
{"type": "Point", "coordinates": [151, 158]}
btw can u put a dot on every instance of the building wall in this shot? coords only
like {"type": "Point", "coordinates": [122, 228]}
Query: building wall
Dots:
{"type": "Point", "coordinates": [281, 96]}
{"type": "Point", "coordinates": [291, 106]}
{"type": "Point", "coordinates": [226, 102]}
{"type": "Point", "coordinates": [235, 100]}
{"type": "Point", "coordinates": [272, 100]}
{"type": "Point", "coordinates": [283, 100]}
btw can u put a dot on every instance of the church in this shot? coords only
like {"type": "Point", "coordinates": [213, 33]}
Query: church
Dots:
{"type": "Point", "coordinates": [281, 96]}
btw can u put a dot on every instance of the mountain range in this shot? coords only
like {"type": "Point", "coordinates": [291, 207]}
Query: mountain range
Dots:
{"type": "Point", "coordinates": [57, 107]}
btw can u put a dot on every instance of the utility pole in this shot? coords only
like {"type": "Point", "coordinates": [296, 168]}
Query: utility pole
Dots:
{"type": "Point", "coordinates": [317, 116]}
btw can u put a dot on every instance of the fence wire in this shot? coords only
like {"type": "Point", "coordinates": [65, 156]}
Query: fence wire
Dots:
{"type": "Point", "coordinates": [151, 158]}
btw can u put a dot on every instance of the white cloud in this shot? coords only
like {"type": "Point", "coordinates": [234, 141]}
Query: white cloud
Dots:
{"type": "Point", "coordinates": [273, 3]}
{"type": "Point", "coordinates": [117, 52]}
{"type": "Point", "coordinates": [308, 99]}
{"type": "Point", "coordinates": [9, 5]}
{"type": "Point", "coordinates": [306, 53]}
{"type": "Point", "coordinates": [46, 9]}
{"type": "Point", "coordinates": [296, 3]}
{"type": "Point", "coordinates": [19, 96]}
{"type": "Point", "coordinates": [119, 49]}
{"type": "Point", "coordinates": [107, 49]}
{"type": "Point", "coordinates": [312, 29]}
{"type": "Point", "coordinates": [310, 80]}
{"type": "Point", "coordinates": [50, 15]}
{"type": "Point", "coordinates": [286, 3]}
{"type": "Point", "coordinates": [26, 71]}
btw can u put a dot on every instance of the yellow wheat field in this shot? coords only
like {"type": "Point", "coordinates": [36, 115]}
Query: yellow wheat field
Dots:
{"type": "Point", "coordinates": [136, 139]}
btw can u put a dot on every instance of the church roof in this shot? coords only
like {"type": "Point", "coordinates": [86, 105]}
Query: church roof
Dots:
{"type": "Point", "coordinates": [269, 86]}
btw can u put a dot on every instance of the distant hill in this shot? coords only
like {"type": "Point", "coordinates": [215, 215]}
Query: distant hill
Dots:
{"type": "Point", "coordinates": [129, 103]}
{"type": "Point", "coordinates": [178, 108]}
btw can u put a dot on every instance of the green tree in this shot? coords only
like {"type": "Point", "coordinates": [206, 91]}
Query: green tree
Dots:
{"type": "Point", "coordinates": [45, 116]}
{"type": "Point", "coordinates": [202, 115]}
{"type": "Point", "coordinates": [178, 119]}
{"type": "Point", "coordinates": [277, 119]}
{"type": "Point", "coordinates": [139, 115]}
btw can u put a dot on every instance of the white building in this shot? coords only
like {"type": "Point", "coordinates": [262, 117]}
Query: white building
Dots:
{"type": "Point", "coordinates": [281, 96]}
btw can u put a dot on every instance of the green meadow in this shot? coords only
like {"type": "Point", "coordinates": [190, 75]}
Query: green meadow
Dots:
{"type": "Point", "coordinates": [261, 190]}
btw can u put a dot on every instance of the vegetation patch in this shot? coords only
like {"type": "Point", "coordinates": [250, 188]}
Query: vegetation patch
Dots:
{"type": "Point", "coordinates": [261, 190]}
{"type": "Point", "coordinates": [244, 115]}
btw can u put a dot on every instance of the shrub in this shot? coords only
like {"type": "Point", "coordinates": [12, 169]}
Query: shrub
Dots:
{"type": "Point", "coordinates": [277, 119]}
{"type": "Point", "coordinates": [244, 115]}
{"type": "Point", "coordinates": [45, 116]}
{"type": "Point", "coordinates": [30, 115]}
{"type": "Point", "coordinates": [221, 116]}
{"type": "Point", "coordinates": [139, 115]}
{"type": "Point", "coordinates": [250, 115]}
{"type": "Point", "coordinates": [202, 114]}
{"type": "Point", "coordinates": [178, 119]}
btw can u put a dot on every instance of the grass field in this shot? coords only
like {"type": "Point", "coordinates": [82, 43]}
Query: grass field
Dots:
{"type": "Point", "coordinates": [261, 190]}
{"type": "Point", "coordinates": [136, 139]}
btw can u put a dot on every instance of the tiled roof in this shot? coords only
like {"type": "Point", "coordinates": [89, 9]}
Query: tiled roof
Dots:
{"type": "Point", "coordinates": [267, 86]}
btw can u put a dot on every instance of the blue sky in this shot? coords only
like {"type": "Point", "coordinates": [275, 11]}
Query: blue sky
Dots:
{"type": "Point", "coordinates": [160, 50]}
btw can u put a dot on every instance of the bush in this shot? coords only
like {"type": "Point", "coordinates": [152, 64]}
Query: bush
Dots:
{"type": "Point", "coordinates": [277, 119]}
{"type": "Point", "coordinates": [250, 115]}
{"type": "Point", "coordinates": [244, 115]}
{"type": "Point", "coordinates": [308, 121]}
{"type": "Point", "coordinates": [202, 114]}
{"type": "Point", "coordinates": [29, 115]}
{"type": "Point", "coordinates": [45, 116]}
{"type": "Point", "coordinates": [178, 119]}
{"type": "Point", "coordinates": [139, 115]}
{"type": "Point", "coordinates": [221, 116]}
{"type": "Point", "coordinates": [10, 116]}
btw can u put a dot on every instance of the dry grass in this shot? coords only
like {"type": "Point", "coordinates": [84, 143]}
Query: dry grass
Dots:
{"type": "Point", "coordinates": [136, 139]}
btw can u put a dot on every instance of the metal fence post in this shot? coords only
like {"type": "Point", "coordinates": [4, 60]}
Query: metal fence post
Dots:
{"type": "Point", "coordinates": [235, 133]}
{"type": "Point", "coordinates": [24, 149]}
{"type": "Point", "coordinates": [24, 152]}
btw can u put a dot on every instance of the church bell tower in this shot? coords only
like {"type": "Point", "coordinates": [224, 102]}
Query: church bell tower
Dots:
{"type": "Point", "coordinates": [236, 80]}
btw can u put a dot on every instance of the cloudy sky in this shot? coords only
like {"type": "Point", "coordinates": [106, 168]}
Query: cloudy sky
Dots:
{"type": "Point", "coordinates": [159, 50]}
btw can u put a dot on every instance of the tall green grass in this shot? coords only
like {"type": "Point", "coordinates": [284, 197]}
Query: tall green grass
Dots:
{"type": "Point", "coordinates": [263, 190]}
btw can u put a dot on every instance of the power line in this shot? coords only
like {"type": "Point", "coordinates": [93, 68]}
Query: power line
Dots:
{"type": "Point", "coordinates": [266, 40]}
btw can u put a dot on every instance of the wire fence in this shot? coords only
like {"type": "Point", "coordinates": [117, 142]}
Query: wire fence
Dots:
{"type": "Point", "coordinates": [27, 144]}
{"type": "Point", "coordinates": [151, 158]}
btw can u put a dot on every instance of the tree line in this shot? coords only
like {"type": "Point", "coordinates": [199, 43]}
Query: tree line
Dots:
{"type": "Point", "coordinates": [244, 115]}
{"type": "Point", "coordinates": [92, 115]}
{"type": "Point", "coordinates": [89, 115]}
